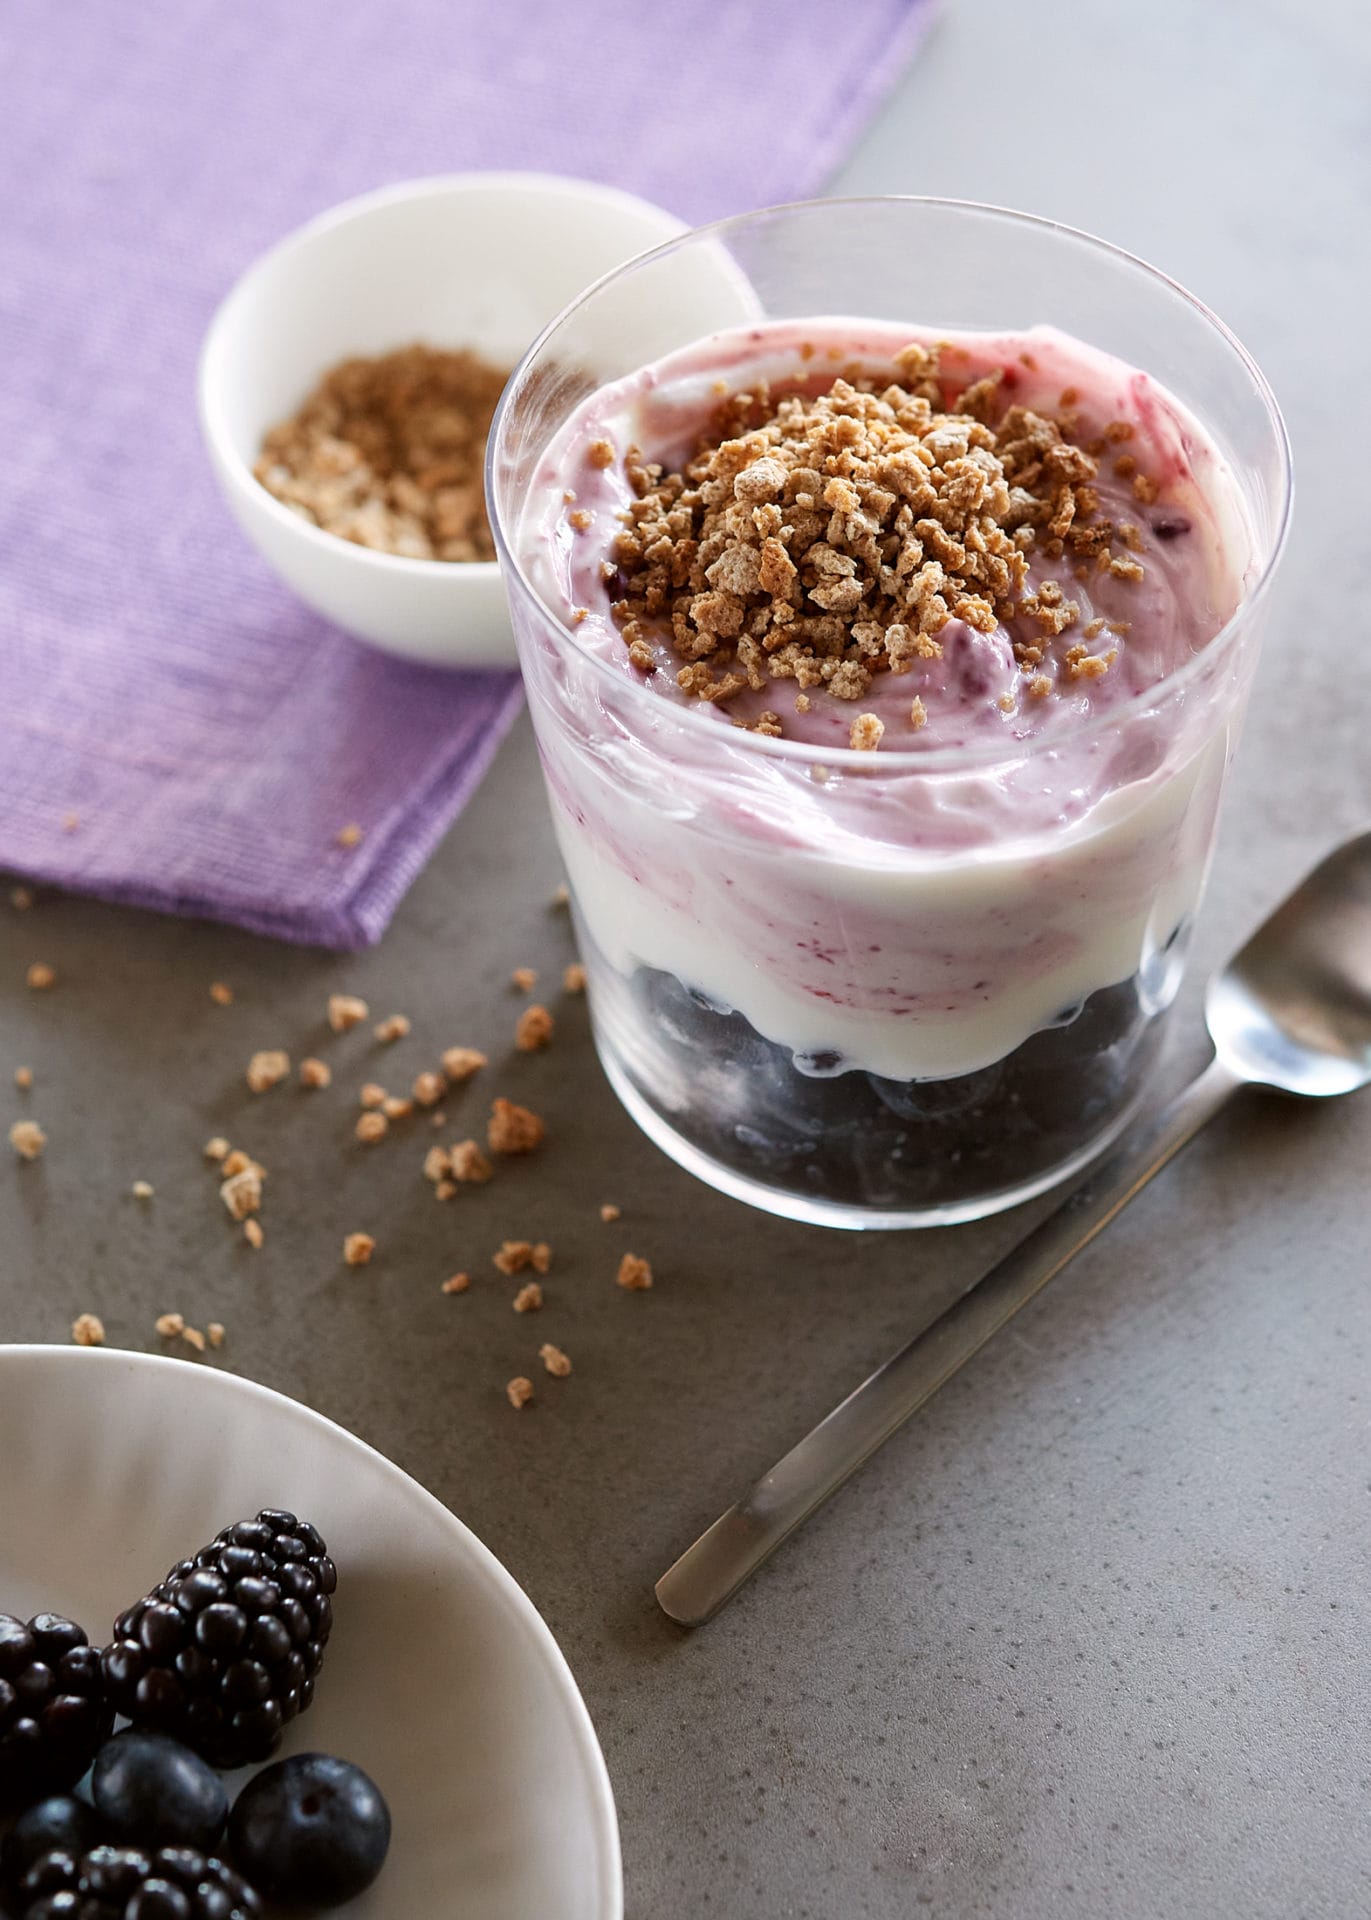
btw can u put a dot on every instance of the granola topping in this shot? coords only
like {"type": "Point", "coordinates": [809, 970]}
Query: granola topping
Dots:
{"type": "Point", "coordinates": [830, 537]}
{"type": "Point", "coordinates": [388, 453]}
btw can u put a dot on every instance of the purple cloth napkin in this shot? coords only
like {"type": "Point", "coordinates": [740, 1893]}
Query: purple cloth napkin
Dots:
{"type": "Point", "coordinates": [175, 730]}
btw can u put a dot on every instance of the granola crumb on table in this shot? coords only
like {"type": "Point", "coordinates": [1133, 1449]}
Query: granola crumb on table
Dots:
{"type": "Point", "coordinates": [221, 993]}
{"type": "Point", "coordinates": [524, 979]}
{"type": "Point", "coordinates": [23, 1078]}
{"type": "Point", "coordinates": [142, 1190]}
{"type": "Point", "coordinates": [533, 1030]}
{"type": "Point", "coordinates": [445, 1190]}
{"type": "Point", "coordinates": [28, 1139]}
{"type": "Point", "coordinates": [609, 1212]}
{"type": "Point", "coordinates": [315, 1073]}
{"type": "Point", "coordinates": [371, 1127]}
{"type": "Point", "coordinates": [574, 978]}
{"type": "Point", "coordinates": [268, 1069]}
{"type": "Point", "coordinates": [193, 1338]}
{"type": "Point", "coordinates": [345, 1011]}
{"type": "Point", "coordinates": [215, 1333]}
{"type": "Point", "coordinates": [21, 899]}
{"type": "Point", "coordinates": [556, 1362]}
{"type": "Point", "coordinates": [635, 1274]}
{"type": "Point", "coordinates": [372, 1095]}
{"type": "Point", "coordinates": [529, 1298]}
{"type": "Point", "coordinates": [88, 1330]}
{"type": "Point", "coordinates": [513, 1129]}
{"type": "Point", "coordinates": [467, 1163]}
{"type": "Point", "coordinates": [254, 1233]}
{"type": "Point", "coordinates": [459, 1063]}
{"type": "Point", "coordinates": [429, 1088]}
{"type": "Point", "coordinates": [41, 976]}
{"type": "Point", "coordinates": [358, 1249]}
{"type": "Point", "coordinates": [394, 1027]}
{"type": "Point", "coordinates": [171, 1325]}
{"type": "Point", "coordinates": [456, 1283]}
{"type": "Point", "coordinates": [241, 1192]}
{"type": "Point", "coordinates": [216, 1149]}
{"type": "Point", "coordinates": [519, 1392]}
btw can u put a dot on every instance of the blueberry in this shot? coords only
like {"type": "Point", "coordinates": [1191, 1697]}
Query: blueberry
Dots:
{"type": "Point", "coordinates": [152, 1791]}
{"type": "Point", "coordinates": [59, 1824]}
{"type": "Point", "coordinates": [311, 1830]}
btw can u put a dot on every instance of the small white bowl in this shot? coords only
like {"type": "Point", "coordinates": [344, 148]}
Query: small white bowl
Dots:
{"type": "Point", "coordinates": [479, 260]}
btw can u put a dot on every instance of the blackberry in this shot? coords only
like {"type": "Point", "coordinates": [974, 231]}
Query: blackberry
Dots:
{"type": "Point", "coordinates": [126, 1883]}
{"type": "Point", "coordinates": [59, 1824]}
{"type": "Point", "coordinates": [53, 1711]}
{"type": "Point", "coordinates": [225, 1651]}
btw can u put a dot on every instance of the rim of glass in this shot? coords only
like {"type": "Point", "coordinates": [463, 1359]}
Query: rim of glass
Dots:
{"type": "Point", "coordinates": [936, 759]}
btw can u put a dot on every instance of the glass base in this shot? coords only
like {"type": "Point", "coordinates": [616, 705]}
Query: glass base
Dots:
{"type": "Point", "coordinates": [790, 1205]}
{"type": "Point", "coordinates": [845, 1148]}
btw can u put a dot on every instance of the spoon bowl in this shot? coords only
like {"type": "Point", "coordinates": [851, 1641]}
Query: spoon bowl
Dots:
{"type": "Point", "coordinates": [1292, 1009]}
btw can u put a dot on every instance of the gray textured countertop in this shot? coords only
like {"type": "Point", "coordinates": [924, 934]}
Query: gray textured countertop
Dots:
{"type": "Point", "coordinates": [1090, 1639]}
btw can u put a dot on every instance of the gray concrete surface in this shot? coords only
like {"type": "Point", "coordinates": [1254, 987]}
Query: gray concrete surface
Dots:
{"type": "Point", "coordinates": [1089, 1641]}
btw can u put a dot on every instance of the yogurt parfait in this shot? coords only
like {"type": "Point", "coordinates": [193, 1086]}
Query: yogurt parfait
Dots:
{"type": "Point", "coordinates": [885, 675]}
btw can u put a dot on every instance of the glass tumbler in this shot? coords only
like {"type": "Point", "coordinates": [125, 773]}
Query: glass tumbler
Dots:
{"type": "Point", "coordinates": [798, 993]}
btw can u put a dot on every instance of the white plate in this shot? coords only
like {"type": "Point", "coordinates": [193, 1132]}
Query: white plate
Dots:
{"type": "Point", "coordinates": [440, 1678]}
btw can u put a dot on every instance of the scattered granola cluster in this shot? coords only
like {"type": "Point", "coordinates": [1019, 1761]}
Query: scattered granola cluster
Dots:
{"type": "Point", "coordinates": [173, 1326]}
{"type": "Point", "coordinates": [388, 453]}
{"type": "Point", "coordinates": [511, 1131]}
{"type": "Point", "coordinates": [827, 539]}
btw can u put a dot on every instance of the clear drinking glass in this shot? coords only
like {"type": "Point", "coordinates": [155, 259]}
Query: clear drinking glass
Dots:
{"type": "Point", "coordinates": [773, 951]}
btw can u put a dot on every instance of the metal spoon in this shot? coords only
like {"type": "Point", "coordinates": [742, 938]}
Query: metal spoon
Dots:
{"type": "Point", "coordinates": [1291, 1012]}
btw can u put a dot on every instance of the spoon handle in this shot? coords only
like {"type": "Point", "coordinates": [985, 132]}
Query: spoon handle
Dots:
{"type": "Point", "coordinates": [710, 1572]}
